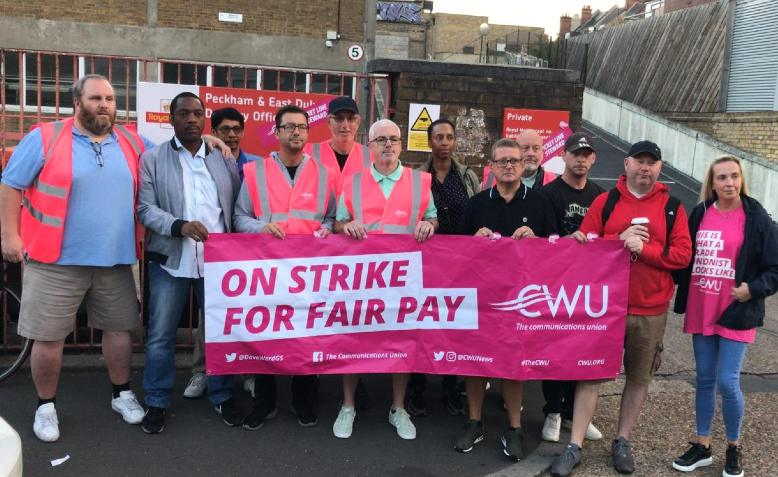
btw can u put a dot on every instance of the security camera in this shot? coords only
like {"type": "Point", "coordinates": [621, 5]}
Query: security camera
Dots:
{"type": "Point", "coordinates": [329, 43]}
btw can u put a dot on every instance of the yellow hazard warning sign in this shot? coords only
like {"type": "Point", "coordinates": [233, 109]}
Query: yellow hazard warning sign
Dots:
{"type": "Point", "coordinates": [420, 116]}
{"type": "Point", "coordinates": [422, 122]}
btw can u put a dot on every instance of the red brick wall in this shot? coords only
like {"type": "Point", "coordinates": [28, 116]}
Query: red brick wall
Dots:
{"type": "Point", "coordinates": [673, 5]}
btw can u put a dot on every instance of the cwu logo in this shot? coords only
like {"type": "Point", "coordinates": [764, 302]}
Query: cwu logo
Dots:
{"type": "Point", "coordinates": [536, 300]}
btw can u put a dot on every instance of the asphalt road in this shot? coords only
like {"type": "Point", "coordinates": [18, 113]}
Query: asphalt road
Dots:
{"type": "Point", "coordinates": [196, 442]}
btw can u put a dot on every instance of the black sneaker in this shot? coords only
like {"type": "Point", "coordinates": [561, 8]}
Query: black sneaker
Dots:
{"type": "Point", "coordinates": [623, 461]}
{"type": "Point", "coordinates": [733, 467]}
{"type": "Point", "coordinates": [258, 416]}
{"type": "Point", "coordinates": [455, 403]}
{"type": "Point", "coordinates": [471, 434]}
{"type": "Point", "coordinates": [512, 444]}
{"type": "Point", "coordinates": [362, 400]}
{"type": "Point", "coordinates": [697, 456]}
{"type": "Point", "coordinates": [567, 461]}
{"type": "Point", "coordinates": [154, 420]}
{"type": "Point", "coordinates": [230, 413]}
{"type": "Point", "coordinates": [415, 404]}
{"type": "Point", "coordinates": [304, 412]}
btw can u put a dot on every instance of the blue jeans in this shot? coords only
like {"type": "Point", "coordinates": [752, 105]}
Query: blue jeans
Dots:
{"type": "Point", "coordinates": [168, 296]}
{"type": "Point", "coordinates": [719, 360]}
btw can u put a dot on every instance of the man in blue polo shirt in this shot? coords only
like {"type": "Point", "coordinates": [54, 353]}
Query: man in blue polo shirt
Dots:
{"type": "Point", "coordinates": [97, 248]}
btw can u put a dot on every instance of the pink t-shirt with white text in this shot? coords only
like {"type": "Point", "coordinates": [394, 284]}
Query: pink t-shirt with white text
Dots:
{"type": "Point", "coordinates": [713, 274]}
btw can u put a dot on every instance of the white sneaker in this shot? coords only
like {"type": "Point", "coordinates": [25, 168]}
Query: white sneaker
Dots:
{"type": "Point", "coordinates": [196, 387]}
{"type": "Point", "coordinates": [551, 427]}
{"type": "Point", "coordinates": [248, 386]}
{"type": "Point", "coordinates": [344, 424]}
{"type": "Point", "coordinates": [127, 405]}
{"type": "Point", "coordinates": [401, 420]}
{"type": "Point", "coordinates": [592, 433]}
{"type": "Point", "coordinates": [46, 424]}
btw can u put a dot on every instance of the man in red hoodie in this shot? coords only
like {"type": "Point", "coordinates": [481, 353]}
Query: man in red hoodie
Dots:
{"type": "Point", "coordinates": [638, 218]}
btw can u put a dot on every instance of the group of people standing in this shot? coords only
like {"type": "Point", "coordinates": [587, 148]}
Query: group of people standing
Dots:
{"type": "Point", "coordinates": [75, 191]}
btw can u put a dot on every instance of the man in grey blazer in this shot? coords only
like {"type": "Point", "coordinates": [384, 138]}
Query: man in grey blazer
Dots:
{"type": "Point", "coordinates": [186, 192]}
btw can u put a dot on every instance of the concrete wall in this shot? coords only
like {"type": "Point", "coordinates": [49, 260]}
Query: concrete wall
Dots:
{"type": "Point", "coordinates": [685, 149]}
{"type": "Point", "coordinates": [391, 45]}
{"type": "Point", "coordinates": [417, 36]}
{"type": "Point", "coordinates": [474, 96]}
{"type": "Point", "coordinates": [175, 44]}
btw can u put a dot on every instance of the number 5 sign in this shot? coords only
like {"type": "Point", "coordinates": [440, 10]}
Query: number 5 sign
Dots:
{"type": "Point", "coordinates": [356, 52]}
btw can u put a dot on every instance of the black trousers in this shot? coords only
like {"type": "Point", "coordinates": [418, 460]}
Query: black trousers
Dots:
{"type": "Point", "coordinates": [560, 398]}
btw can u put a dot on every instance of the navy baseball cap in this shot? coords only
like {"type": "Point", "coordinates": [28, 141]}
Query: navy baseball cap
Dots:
{"type": "Point", "coordinates": [578, 141]}
{"type": "Point", "coordinates": [645, 147]}
{"type": "Point", "coordinates": [343, 103]}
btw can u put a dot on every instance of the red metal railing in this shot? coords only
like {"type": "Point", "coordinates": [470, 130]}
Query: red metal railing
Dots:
{"type": "Point", "coordinates": [49, 99]}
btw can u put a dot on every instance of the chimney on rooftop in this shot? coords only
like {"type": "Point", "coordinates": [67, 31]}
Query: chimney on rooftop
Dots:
{"type": "Point", "coordinates": [586, 14]}
{"type": "Point", "coordinates": [565, 23]}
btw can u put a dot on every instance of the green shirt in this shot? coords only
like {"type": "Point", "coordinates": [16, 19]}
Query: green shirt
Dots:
{"type": "Point", "coordinates": [387, 184]}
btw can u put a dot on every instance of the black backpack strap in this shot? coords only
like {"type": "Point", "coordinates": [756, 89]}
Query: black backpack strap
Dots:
{"type": "Point", "coordinates": [610, 204]}
{"type": "Point", "coordinates": [671, 213]}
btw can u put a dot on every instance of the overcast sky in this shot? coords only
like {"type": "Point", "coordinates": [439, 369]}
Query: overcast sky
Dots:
{"type": "Point", "coordinates": [523, 12]}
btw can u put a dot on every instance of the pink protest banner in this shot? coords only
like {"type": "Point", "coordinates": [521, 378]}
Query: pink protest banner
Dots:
{"type": "Point", "coordinates": [531, 309]}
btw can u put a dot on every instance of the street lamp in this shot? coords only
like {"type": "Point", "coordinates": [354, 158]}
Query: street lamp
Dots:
{"type": "Point", "coordinates": [484, 28]}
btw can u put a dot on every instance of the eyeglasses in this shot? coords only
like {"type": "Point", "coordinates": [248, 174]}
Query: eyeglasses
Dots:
{"type": "Point", "coordinates": [98, 148]}
{"type": "Point", "coordinates": [506, 162]}
{"type": "Point", "coordinates": [227, 129]}
{"type": "Point", "coordinates": [381, 140]}
{"type": "Point", "coordinates": [289, 127]}
{"type": "Point", "coordinates": [342, 119]}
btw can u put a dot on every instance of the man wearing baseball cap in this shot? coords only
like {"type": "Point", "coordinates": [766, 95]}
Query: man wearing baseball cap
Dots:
{"type": "Point", "coordinates": [570, 196]}
{"type": "Point", "coordinates": [652, 224]}
{"type": "Point", "coordinates": [341, 153]}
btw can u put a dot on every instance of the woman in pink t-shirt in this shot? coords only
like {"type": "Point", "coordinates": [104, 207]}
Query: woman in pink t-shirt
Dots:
{"type": "Point", "coordinates": [722, 292]}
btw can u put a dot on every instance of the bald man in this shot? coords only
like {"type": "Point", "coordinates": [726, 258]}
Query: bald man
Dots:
{"type": "Point", "coordinates": [531, 145]}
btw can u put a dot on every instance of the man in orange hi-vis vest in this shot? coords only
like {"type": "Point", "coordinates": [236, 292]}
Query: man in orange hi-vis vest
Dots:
{"type": "Point", "coordinates": [289, 192]}
{"type": "Point", "coordinates": [342, 153]}
{"type": "Point", "coordinates": [77, 181]}
{"type": "Point", "coordinates": [386, 198]}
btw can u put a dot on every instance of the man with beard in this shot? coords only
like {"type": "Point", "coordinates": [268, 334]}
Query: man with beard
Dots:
{"type": "Point", "coordinates": [77, 180]}
{"type": "Point", "coordinates": [570, 196]}
{"type": "Point", "coordinates": [289, 192]}
{"type": "Point", "coordinates": [186, 192]}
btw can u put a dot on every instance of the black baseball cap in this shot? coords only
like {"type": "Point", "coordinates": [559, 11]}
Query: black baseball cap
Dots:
{"type": "Point", "coordinates": [343, 103]}
{"type": "Point", "coordinates": [578, 141]}
{"type": "Point", "coordinates": [645, 147]}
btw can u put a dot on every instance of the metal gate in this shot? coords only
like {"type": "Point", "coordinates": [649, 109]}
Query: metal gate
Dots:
{"type": "Point", "coordinates": [36, 86]}
{"type": "Point", "coordinates": [753, 65]}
